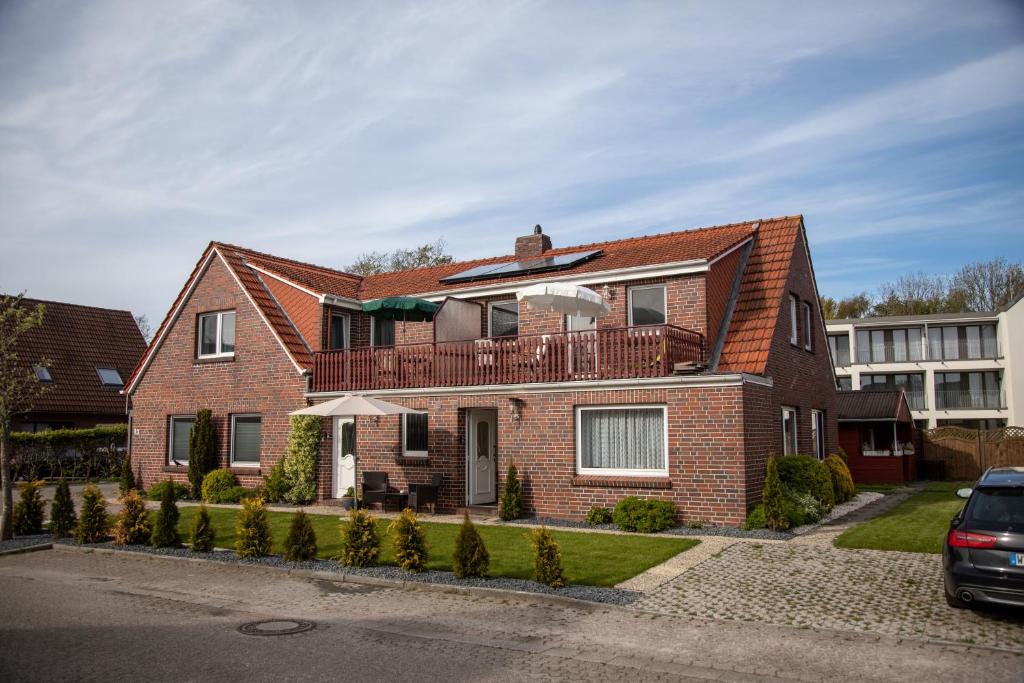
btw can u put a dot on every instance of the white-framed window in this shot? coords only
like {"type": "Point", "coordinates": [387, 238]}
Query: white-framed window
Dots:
{"type": "Point", "coordinates": [630, 441]}
{"type": "Point", "coordinates": [818, 433]}
{"type": "Point", "coordinates": [414, 435]}
{"type": "Point", "coordinates": [339, 332]}
{"type": "Point", "coordinates": [246, 438]}
{"type": "Point", "coordinates": [808, 336]}
{"type": "Point", "coordinates": [382, 332]}
{"type": "Point", "coordinates": [180, 429]}
{"type": "Point", "coordinates": [794, 332]}
{"type": "Point", "coordinates": [216, 337]}
{"type": "Point", "coordinates": [42, 373]}
{"type": "Point", "coordinates": [647, 305]}
{"type": "Point", "coordinates": [503, 318]}
{"type": "Point", "coordinates": [109, 377]}
{"type": "Point", "coordinates": [789, 442]}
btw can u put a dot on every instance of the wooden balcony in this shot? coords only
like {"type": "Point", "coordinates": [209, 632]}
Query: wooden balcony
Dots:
{"type": "Point", "coordinates": [618, 353]}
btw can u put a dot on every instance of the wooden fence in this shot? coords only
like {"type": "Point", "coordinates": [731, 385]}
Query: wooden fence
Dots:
{"type": "Point", "coordinates": [966, 453]}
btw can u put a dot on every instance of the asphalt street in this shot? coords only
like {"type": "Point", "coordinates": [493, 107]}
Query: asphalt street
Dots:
{"type": "Point", "coordinates": [73, 615]}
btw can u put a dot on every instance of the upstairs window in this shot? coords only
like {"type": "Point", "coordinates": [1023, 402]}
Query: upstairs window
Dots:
{"type": "Point", "coordinates": [794, 331]}
{"type": "Point", "coordinates": [339, 331]}
{"type": "Point", "coordinates": [647, 305]}
{"type": "Point", "coordinates": [382, 332]}
{"type": "Point", "coordinates": [840, 346]}
{"type": "Point", "coordinates": [43, 373]}
{"type": "Point", "coordinates": [217, 334]}
{"type": "Point", "coordinates": [503, 319]}
{"type": "Point", "coordinates": [789, 442]}
{"type": "Point", "coordinates": [109, 377]}
{"type": "Point", "coordinates": [808, 336]}
{"type": "Point", "coordinates": [414, 435]}
{"type": "Point", "coordinates": [177, 439]}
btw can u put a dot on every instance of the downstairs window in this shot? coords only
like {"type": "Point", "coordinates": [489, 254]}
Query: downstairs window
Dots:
{"type": "Point", "coordinates": [622, 440]}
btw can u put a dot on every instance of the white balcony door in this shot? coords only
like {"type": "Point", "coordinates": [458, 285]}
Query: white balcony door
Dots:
{"type": "Point", "coordinates": [582, 347]}
{"type": "Point", "coordinates": [344, 461]}
{"type": "Point", "coordinates": [481, 465]}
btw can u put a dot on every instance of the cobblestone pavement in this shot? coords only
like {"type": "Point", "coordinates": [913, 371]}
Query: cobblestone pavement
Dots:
{"type": "Point", "coordinates": [819, 586]}
{"type": "Point", "coordinates": [90, 616]}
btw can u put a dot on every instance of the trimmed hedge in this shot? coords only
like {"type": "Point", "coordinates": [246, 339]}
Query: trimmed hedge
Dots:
{"type": "Point", "coordinates": [96, 453]}
{"type": "Point", "coordinates": [216, 484]}
{"type": "Point", "coordinates": [156, 491]}
{"type": "Point", "coordinates": [842, 480]}
{"type": "Point", "coordinates": [644, 515]}
{"type": "Point", "coordinates": [805, 474]}
{"type": "Point", "coordinates": [599, 515]}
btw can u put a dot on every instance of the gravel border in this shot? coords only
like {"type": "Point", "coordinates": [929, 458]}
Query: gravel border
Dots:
{"type": "Point", "coordinates": [608, 596]}
{"type": "Point", "coordinates": [20, 542]}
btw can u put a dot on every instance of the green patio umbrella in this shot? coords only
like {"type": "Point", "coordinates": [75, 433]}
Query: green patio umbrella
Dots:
{"type": "Point", "coordinates": [401, 308]}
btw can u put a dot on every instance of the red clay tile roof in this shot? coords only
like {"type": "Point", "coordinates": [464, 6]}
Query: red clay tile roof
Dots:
{"type": "Point", "coordinates": [757, 308]}
{"type": "Point", "coordinates": [319, 279]}
{"type": "Point", "coordinates": [76, 340]}
{"type": "Point", "coordinates": [671, 247]}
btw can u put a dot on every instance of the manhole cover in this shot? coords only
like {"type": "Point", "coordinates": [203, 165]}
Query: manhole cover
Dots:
{"type": "Point", "coordinates": [276, 627]}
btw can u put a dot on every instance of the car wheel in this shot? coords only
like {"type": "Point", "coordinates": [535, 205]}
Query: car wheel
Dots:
{"type": "Point", "coordinates": [955, 602]}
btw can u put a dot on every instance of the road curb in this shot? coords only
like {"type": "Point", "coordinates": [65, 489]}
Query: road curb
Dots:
{"type": "Point", "coordinates": [345, 577]}
{"type": "Point", "coordinates": [26, 549]}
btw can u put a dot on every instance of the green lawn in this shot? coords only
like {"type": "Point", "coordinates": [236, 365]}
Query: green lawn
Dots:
{"type": "Point", "coordinates": [591, 559]}
{"type": "Point", "coordinates": [918, 524]}
{"type": "Point", "coordinates": [877, 488]}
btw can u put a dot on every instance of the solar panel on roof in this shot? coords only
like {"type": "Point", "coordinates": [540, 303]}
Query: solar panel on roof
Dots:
{"type": "Point", "coordinates": [513, 268]}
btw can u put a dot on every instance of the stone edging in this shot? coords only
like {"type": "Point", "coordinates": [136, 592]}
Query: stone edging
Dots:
{"type": "Point", "coordinates": [26, 549]}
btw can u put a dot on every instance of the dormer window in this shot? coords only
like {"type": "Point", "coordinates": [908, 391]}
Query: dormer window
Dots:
{"type": "Point", "coordinates": [216, 335]}
{"type": "Point", "coordinates": [43, 373]}
{"type": "Point", "coordinates": [109, 377]}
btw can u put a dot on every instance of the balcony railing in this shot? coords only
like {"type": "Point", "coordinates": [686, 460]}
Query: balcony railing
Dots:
{"type": "Point", "coordinates": [955, 399]}
{"type": "Point", "coordinates": [916, 400]}
{"type": "Point", "coordinates": [619, 353]}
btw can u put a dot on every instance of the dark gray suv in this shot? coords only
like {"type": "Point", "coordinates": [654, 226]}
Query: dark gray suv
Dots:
{"type": "Point", "coordinates": [984, 550]}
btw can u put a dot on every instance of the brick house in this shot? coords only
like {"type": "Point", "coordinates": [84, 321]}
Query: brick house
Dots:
{"type": "Point", "coordinates": [713, 357]}
{"type": "Point", "coordinates": [88, 351]}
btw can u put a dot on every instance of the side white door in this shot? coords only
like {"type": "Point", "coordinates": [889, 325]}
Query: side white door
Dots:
{"type": "Point", "coordinates": [344, 465]}
{"type": "Point", "coordinates": [481, 467]}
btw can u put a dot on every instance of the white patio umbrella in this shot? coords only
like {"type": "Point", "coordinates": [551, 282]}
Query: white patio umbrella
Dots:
{"type": "Point", "coordinates": [564, 298]}
{"type": "Point", "coordinates": [355, 405]}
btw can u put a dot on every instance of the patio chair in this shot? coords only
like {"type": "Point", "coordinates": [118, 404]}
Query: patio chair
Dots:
{"type": "Point", "coordinates": [424, 494]}
{"type": "Point", "coordinates": [375, 488]}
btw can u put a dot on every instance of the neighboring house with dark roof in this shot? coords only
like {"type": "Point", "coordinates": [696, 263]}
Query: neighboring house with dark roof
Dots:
{"type": "Point", "coordinates": [876, 431]}
{"type": "Point", "coordinates": [89, 353]}
{"type": "Point", "coordinates": [713, 358]}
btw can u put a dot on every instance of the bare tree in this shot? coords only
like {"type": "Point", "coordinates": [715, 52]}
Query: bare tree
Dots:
{"type": "Point", "coordinates": [144, 327]}
{"type": "Point", "coordinates": [916, 294]}
{"type": "Point", "coordinates": [373, 262]}
{"type": "Point", "coordinates": [988, 285]}
{"type": "Point", "coordinates": [856, 306]}
{"type": "Point", "coordinates": [19, 388]}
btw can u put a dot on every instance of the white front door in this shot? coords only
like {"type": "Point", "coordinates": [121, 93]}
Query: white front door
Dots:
{"type": "Point", "coordinates": [481, 476]}
{"type": "Point", "coordinates": [344, 461]}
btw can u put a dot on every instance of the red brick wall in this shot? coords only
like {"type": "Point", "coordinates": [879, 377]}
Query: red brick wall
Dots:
{"type": "Point", "coordinates": [705, 429]}
{"type": "Point", "coordinates": [260, 379]}
{"type": "Point", "coordinates": [304, 310]}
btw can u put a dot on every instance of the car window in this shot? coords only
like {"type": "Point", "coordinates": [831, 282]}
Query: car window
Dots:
{"type": "Point", "coordinates": [996, 507]}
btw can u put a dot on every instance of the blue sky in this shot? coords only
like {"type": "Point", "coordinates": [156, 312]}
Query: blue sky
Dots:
{"type": "Point", "coordinates": [132, 133]}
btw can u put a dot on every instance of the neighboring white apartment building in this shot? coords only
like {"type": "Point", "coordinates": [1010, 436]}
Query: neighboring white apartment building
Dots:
{"type": "Point", "coordinates": [962, 369]}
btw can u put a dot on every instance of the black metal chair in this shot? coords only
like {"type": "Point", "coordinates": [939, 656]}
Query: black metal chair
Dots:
{"type": "Point", "coordinates": [425, 494]}
{"type": "Point", "coordinates": [375, 488]}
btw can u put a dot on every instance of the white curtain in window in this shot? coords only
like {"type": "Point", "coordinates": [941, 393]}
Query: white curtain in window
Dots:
{"type": "Point", "coordinates": [899, 345]}
{"type": "Point", "coordinates": [878, 346]}
{"type": "Point", "coordinates": [914, 343]}
{"type": "Point", "coordinates": [623, 439]}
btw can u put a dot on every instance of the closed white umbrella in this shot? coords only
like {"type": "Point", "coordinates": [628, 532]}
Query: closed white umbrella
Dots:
{"type": "Point", "coordinates": [355, 405]}
{"type": "Point", "coordinates": [564, 298]}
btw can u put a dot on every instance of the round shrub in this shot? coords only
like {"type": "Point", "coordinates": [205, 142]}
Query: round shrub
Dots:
{"type": "Point", "coordinates": [215, 483]}
{"type": "Point", "coordinates": [755, 518]}
{"type": "Point", "coordinates": [156, 491]}
{"type": "Point", "coordinates": [644, 515]}
{"type": "Point", "coordinates": [842, 480]}
{"type": "Point", "coordinates": [805, 474]}
{"type": "Point", "coordinates": [599, 515]}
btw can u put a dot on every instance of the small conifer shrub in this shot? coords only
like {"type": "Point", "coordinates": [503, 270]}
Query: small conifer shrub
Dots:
{"type": "Point", "coordinates": [842, 480]}
{"type": "Point", "coordinates": [410, 542]}
{"type": "Point", "coordinates": [202, 531]}
{"type": "Point", "coordinates": [252, 530]}
{"type": "Point", "coordinates": [126, 482]}
{"type": "Point", "coordinates": [599, 515]}
{"type": "Point", "coordinates": [133, 525]}
{"type": "Point", "coordinates": [547, 559]}
{"type": "Point", "coordinates": [92, 523]}
{"type": "Point", "coordinates": [165, 529]}
{"type": "Point", "coordinates": [300, 544]}
{"type": "Point", "coordinates": [511, 506]}
{"type": "Point", "coordinates": [202, 450]}
{"type": "Point", "coordinates": [28, 512]}
{"type": "Point", "coordinates": [471, 558]}
{"type": "Point", "coordinates": [360, 545]}
{"type": "Point", "coordinates": [62, 512]}
{"type": "Point", "coordinates": [775, 517]}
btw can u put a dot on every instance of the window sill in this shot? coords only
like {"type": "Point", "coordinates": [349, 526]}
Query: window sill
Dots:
{"type": "Point", "coordinates": [244, 469]}
{"type": "Point", "coordinates": [651, 482]}
{"type": "Point", "coordinates": [176, 469]}
{"type": "Point", "coordinates": [213, 359]}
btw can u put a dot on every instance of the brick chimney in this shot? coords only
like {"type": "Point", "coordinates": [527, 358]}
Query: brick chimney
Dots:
{"type": "Point", "coordinates": [532, 246]}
